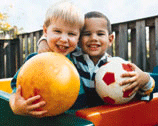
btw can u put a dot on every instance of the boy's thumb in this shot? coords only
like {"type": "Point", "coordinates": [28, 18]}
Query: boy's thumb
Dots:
{"type": "Point", "coordinates": [18, 91]}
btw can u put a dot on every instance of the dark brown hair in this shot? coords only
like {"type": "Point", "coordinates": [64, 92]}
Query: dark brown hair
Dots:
{"type": "Point", "coordinates": [95, 14]}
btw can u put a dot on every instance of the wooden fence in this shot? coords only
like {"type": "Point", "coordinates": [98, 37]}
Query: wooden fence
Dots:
{"type": "Point", "coordinates": [136, 41]}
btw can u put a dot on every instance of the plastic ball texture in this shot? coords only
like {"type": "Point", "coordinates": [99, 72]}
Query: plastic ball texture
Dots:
{"type": "Point", "coordinates": [54, 78]}
{"type": "Point", "coordinates": [107, 81]}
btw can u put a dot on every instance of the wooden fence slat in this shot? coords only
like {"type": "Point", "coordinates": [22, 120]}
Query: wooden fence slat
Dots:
{"type": "Point", "coordinates": [116, 43]}
{"type": "Point", "coordinates": [26, 45]}
{"type": "Point", "coordinates": [152, 55]}
{"type": "Point", "coordinates": [141, 45]}
{"type": "Point", "coordinates": [32, 43]}
{"type": "Point", "coordinates": [156, 39]}
{"type": "Point", "coordinates": [37, 38]}
{"type": "Point", "coordinates": [133, 46]}
{"type": "Point", "coordinates": [1, 59]}
{"type": "Point", "coordinates": [123, 41]}
{"type": "Point", "coordinates": [21, 49]}
{"type": "Point", "coordinates": [11, 58]}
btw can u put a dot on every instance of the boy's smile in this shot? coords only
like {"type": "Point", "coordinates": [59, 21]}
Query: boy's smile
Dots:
{"type": "Point", "coordinates": [62, 37]}
{"type": "Point", "coordinates": [93, 47]}
{"type": "Point", "coordinates": [95, 37]}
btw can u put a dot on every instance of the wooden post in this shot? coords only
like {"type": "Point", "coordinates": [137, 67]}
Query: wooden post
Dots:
{"type": "Point", "coordinates": [26, 45]}
{"type": "Point", "coordinates": [133, 45]}
{"type": "Point", "coordinates": [141, 44]}
{"type": "Point", "coordinates": [116, 43]}
{"type": "Point", "coordinates": [152, 49]}
{"type": "Point", "coordinates": [37, 38]}
{"type": "Point", "coordinates": [156, 39]}
{"type": "Point", "coordinates": [11, 58]}
{"type": "Point", "coordinates": [1, 59]}
{"type": "Point", "coordinates": [32, 43]}
{"type": "Point", "coordinates": [123, 41]}
{"type": "Point", "coordinates": [21, 49]}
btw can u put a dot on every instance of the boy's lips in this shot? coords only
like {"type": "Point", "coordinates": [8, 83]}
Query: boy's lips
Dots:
{"type": "Point", "coordinates": [62, 48]}
{"type": "Point", "coordinates": [93, 47]}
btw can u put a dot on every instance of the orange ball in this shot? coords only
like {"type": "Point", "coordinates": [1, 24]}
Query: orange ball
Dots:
{"type": "Point", "coordinates": [54, 78]}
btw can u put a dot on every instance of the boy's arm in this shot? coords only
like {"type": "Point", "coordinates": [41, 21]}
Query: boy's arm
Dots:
{"type": "Point", "coordinates": [21, 106]}
{"type": "Point", "coordinates": [141, 82]}
{"type": "Point", "coordinates": [42, 45]}
{"type": "Point", "coordinates": [147, 89]}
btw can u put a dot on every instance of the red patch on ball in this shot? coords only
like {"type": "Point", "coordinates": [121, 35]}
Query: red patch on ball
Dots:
{"type": "Point", "coordinates": [109, 78]}
{"type": "Point", "coordinates": [127, 67]}
{"type": "Point", "coordinates": [109, 100]}
{"type": "Point", "coordinates": [126, 93]}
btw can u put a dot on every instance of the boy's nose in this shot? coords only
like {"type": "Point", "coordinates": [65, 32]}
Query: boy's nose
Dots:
{"type": "Point", "coordinates": [64, 38]}
{"type": "Point", "coordinates": [93, 37]}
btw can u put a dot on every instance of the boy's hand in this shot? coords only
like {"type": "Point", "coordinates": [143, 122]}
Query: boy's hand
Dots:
{"type": "Point", "coordinates": [137, 79]}
{"type": "Point", "coordinates": [43, 47]}
{"type": "Point", "coordinates": [20, 106]}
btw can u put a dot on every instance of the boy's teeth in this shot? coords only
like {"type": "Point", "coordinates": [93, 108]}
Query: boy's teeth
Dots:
{"type": "Point", "coordinates": [62, 47]}
{"type": "Point", "coordinates": [93, 46]}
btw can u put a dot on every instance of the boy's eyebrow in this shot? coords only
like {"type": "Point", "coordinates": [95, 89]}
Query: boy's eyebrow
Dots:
{"type": "Point", "coordinates": [101, 31]}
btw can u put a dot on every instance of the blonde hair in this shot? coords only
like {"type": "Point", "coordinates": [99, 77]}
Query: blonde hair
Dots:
{"type": "Point", "coordinates": [66, 11]}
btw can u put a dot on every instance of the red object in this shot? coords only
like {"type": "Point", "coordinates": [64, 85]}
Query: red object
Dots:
{"type": "Point", "coordinates": [138, 113]}
{"type": "Point", "coordinates": [127, 67]}
{"type": "Point", "coordinates": [126, 93]}
{"type": "Point", "coordinates": [109, 78]}
{"type": "Point", "coordinates": [109, 100]}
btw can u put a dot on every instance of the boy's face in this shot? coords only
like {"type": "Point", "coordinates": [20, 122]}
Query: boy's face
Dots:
{"type": "Point", "coordinates": [62, 37]}
{"type": "Point", "coordinates": [95, 38]}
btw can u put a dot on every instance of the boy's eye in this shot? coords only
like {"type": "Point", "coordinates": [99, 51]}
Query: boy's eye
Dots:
{"type": "Point", "coordinates": [57, 31]}
{"type": "Point", "coordinates": [100, 34]}
{"type": "Point", "coordinates": [72, 34]}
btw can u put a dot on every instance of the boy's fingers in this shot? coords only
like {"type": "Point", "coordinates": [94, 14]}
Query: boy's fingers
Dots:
{"type": "Point", "coordinates": [32, 99]}
{"type": "Point", "coordinates": [18, 91]}
{"type": "Point", "coordinates": [127, 81]}
{"type": "Point", "coordinates": [38, 113]}
{"type": "Point", "coordinates": [133, 65]}
{"type": "Point", "coordinates": [128, 74]}
{"type": "Point", "coordinates": [37, 105]}
{"type": "Point", "coordinates": [134, 90]}
{"type": "Point", "coordinates": [131, 86]}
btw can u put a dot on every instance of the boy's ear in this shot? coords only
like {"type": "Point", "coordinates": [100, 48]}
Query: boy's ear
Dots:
{"type": "Point", "coordinates": [44, 31]}
{"type": "Point", "coordinates": [111, 39]}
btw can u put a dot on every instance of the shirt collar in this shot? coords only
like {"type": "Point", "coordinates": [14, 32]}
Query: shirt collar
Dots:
{"type": "Point", "coordinates": [78, 52]}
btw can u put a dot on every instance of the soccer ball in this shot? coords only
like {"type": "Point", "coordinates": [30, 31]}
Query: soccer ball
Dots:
{"type": "Point", "coordinates": [107, 82]}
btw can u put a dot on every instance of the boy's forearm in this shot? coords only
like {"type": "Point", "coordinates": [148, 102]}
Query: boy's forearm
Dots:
{"type": "Point", "coordinates": [42, 38]}
{"type": "Point", "coordinates": [148, 87]}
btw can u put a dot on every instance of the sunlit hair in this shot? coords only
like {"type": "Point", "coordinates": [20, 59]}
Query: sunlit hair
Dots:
{"type": "Point", "coordinates": [67, 12]}
{"type": "Point", "coordinates": [95, 14]}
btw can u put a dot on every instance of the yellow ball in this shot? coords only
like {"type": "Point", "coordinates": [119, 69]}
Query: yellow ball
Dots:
{"type": "Point", "coordinates": [54, 77]}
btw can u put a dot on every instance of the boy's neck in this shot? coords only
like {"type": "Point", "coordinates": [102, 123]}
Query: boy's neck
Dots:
{"type": "Point", "coordinates": [95, 59]}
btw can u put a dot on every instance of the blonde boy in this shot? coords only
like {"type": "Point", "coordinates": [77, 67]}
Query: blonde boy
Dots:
{"type": "Point", "coordinates": [62, 26]}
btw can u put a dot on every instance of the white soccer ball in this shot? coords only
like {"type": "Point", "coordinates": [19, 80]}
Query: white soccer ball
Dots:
{"type": "Point", "coordinates": [107, 82]}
